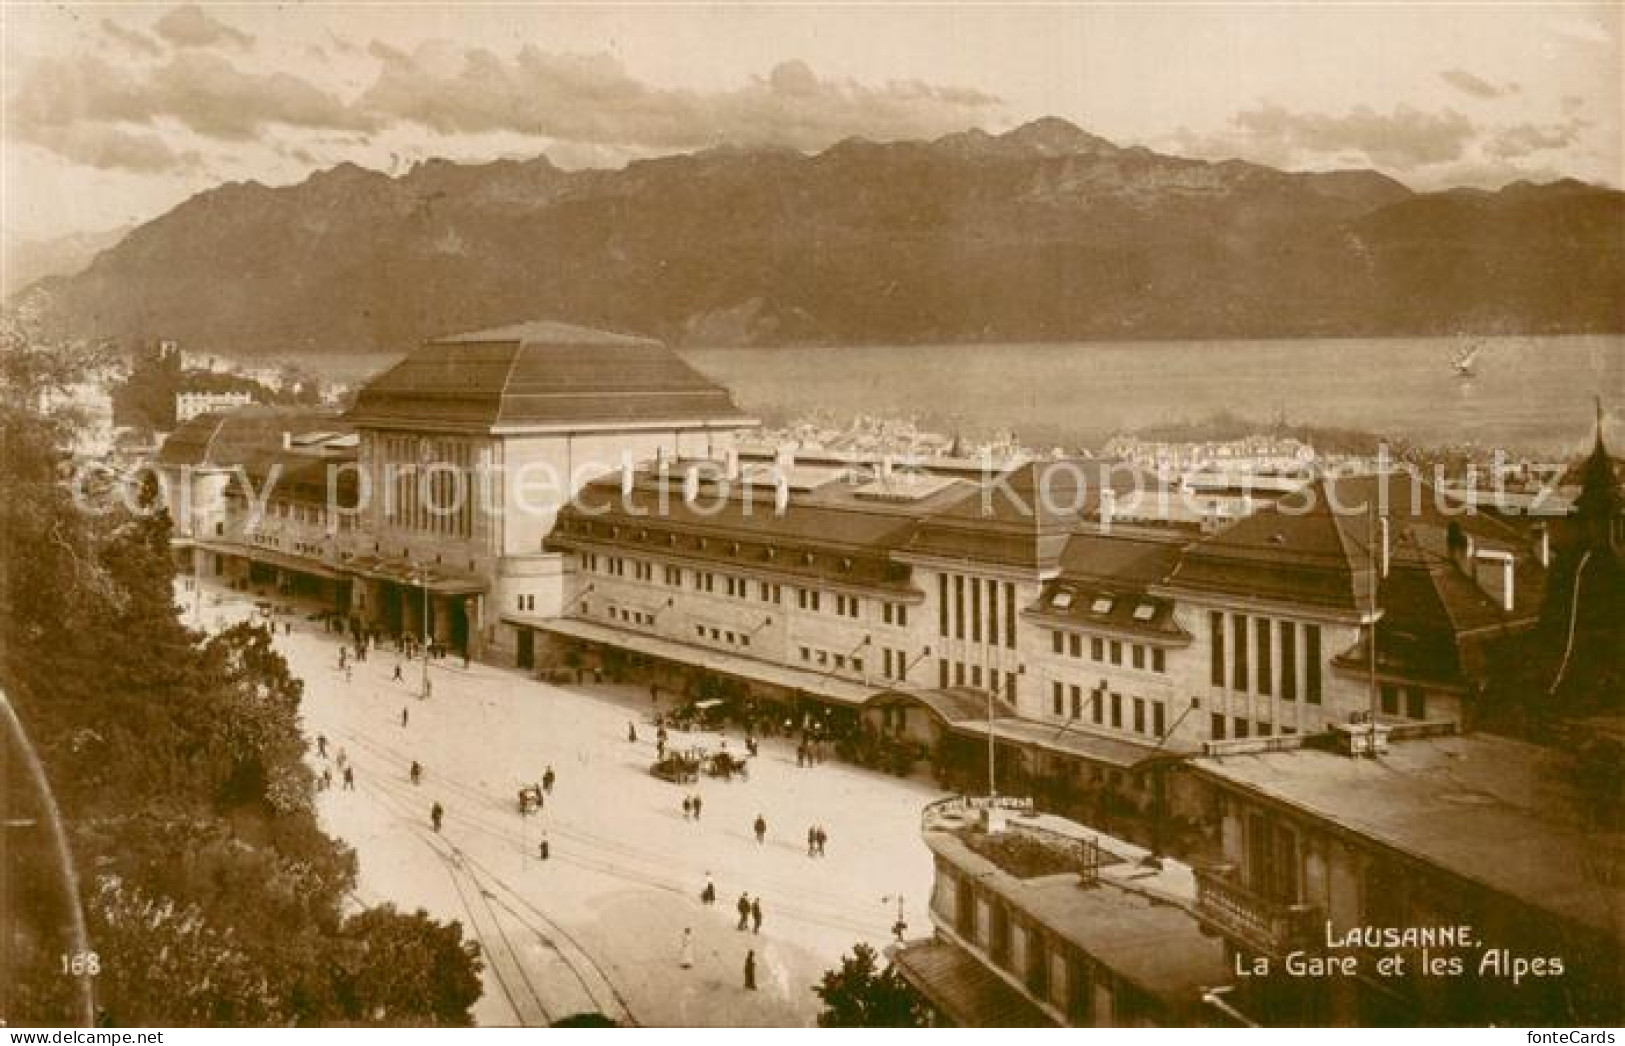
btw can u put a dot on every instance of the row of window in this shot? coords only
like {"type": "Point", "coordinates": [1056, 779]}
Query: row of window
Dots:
{"type": "Point", "coordinates": [830, 659]}
{"type": "Point", "coordinates": [719, 635]}
{"type": "Point", "coordinates": [1148, 718]}
{"type": "Point", "coordinates": [1414, 701]}
{"type": "Point", "coordinates": [957, 673]}
{"type": "Point", "coordinates": [1253, 661]}
{"type": "Point", "coordinates": [740, 588]}
{"type": "Point", "coordinates": [427, 485]}
{"type": "Point", "coordinates": [1102, 650]}
{"type": "Point", "coordinates": [1241, 729]}
{"type": "Point", "coordinates": [970, 601]}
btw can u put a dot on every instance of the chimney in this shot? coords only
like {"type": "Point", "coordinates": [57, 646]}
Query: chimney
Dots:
{"type": "Point", "coordinates": [730, 464]}
{"type": "Point", "coordinates": [626, 474]}
{"type": "Point", "coordinates": [691, 485]}
{"type": "Point", "coordinates": [885, 466]}
{"type": "Point", "coordinates": [1386, 548]}
{"type": "Point", "coordinates": [1507, 562]}
{"type": "Point", "coordinates": [287, 441]}
{"type": "Point", "coordinates": [1543, 545]}
{"type": "Point", "coordinates": [781, 494]}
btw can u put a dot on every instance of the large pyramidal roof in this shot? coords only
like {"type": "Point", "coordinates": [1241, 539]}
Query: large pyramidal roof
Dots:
{"type": "Point", "coordinates": [541, 375]}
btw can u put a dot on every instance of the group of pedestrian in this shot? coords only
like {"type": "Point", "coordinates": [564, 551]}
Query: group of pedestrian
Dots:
{"type": "Point", "coordinates": [750, 913]}
{"type": "Point", "coordinates": [691, 807]}
{"type": "Point", "coordinates": [809, 752]}
{"type": "Point", "coordinates": [816, 839]}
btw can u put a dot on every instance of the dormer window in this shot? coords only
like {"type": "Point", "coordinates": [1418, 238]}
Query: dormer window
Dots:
{"type": "Point", "coordinates": [846, 565]}
{"type": "Point", "coordinates": [1061, 600]}
{"type": "Point", "coordinates": [1103, 605]}
{"type": "Point", "coordinates": [806, 559]}
{"type": "Point", "coordinates": [1144, 612]}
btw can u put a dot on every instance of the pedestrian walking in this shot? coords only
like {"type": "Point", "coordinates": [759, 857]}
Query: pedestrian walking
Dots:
{"type": "Point", "coordinates": [685, 950]}
{"type": "Point", "coordinates": [744, 911]}
{"type": "Point", "coordinates": [709, 894]}
{"type": "Point", "coordinates": [327, 778]}
{"type": "Point", "coordinates": [400, 677]}
{"type": "Point", "coordinates": [548, 779]}
{"type": "Point", "coordinates": [403, 717]}
{"type": "Point", "coordinates": [287, 628]}
{"type": "Point", "coordinates": [437, 813]}
{"type": "Point", "coordinates": [631, 732]}
{"type": "Point", "coordinates": [416, 772]}
{"type": "Point", "coordinates": [756, 915]}
{"type": "Point", "coordinates": [812, 842]}
{"type": "Point", "coordinates": [750, 970]}
{"type": "Point", "coordinates": [321, 745]}
{"type": "Point", "coordinates": [820, 837]}
{"type": "Point", "coordinates": [543, 849]}
{"type": "Point", "coordinates": [761, 829]}
{"type": "Point", "coordinates": [688, 807]}
{"type": "Point", "coordinates": [660, 749]}
{"type": "Point", "coordinates": [801, 755]}
{"type": "Point", "coordinates": [349, 779]}
{"type": "Point", "coordinates": [696, 808]}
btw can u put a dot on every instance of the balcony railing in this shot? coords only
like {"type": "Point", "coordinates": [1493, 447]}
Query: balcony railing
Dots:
{"type": "Point", "coordinates": [1265, 926]}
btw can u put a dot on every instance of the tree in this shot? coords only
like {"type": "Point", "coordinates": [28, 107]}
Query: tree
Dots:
{"type": "Point", "coordinates": [860, 995]}
{"type": "Point", "coordinates": [211, 894]}
{"type": "Point", "coordinates": [397, 969]}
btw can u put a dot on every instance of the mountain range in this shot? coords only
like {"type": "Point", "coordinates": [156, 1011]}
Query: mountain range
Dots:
{"type": "Point", "coordinates": [1044, 233]}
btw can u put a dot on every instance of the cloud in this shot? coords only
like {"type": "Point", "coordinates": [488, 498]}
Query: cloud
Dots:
{"type": "Point", "coordinates": [1527, 138]}
{"type": "Point", "coordinates": [134, 40]}
{"type": "Point", "coordinates": [189, 26]}
{"type": "Point", "coordinates": [111, 149]}
{"type": "Point", "coordinates": [196, 89]}
{"type": "Point", "coordinates": [1403, 138]}
{"type": "Point", "coordinates": [590, 99]}
{"type": "Point", "coordinates": [1477, 87]}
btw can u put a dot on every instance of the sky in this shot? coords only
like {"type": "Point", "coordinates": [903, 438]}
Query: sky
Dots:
{"type": "Point", "coordinates": [113, 114]}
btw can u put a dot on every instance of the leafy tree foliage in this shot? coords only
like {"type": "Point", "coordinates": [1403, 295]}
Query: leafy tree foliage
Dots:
{"type": "Point", "coordinates": [861, 995]}
{"type": "Point", "coordinates": [211, 894]}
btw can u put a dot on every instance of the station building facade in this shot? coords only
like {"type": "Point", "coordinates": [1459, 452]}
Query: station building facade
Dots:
{"type": "Point", "coordinates": [1070, 617]}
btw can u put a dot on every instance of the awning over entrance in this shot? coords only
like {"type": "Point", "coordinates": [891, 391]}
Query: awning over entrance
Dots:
{"type": "Point", "coordinates": [952, 706]}
{"type": "Point", "coordinates": [301, 564]}
{"type": "Point", "coordinates": [404, 572]}
{"type": "Point", "coordinates": [813, 684]}
{"type": "Point", "coordinates": [970, 994]}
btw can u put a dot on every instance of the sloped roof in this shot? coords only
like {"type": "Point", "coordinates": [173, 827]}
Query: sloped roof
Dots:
{"type": "Point", "coordinates": [237, 437]}
{"type": "Point", "coordinates": [1025, 517]}
{"type": "Point", "coordinates": [540, 374]}
{"type": "Point", "coordinates": [1313, 548]}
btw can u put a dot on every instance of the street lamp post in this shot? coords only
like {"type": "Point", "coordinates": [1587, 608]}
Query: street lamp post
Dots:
{"type": "Point", "coordinates": [420, 575]}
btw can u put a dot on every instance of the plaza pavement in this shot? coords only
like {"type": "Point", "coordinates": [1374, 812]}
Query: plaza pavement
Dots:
{"type": "Point", "coordinates": [598, 925]}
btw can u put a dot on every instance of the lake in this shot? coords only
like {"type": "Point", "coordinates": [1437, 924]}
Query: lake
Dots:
{"type": "Point", "coordinates": [1528, 393]}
